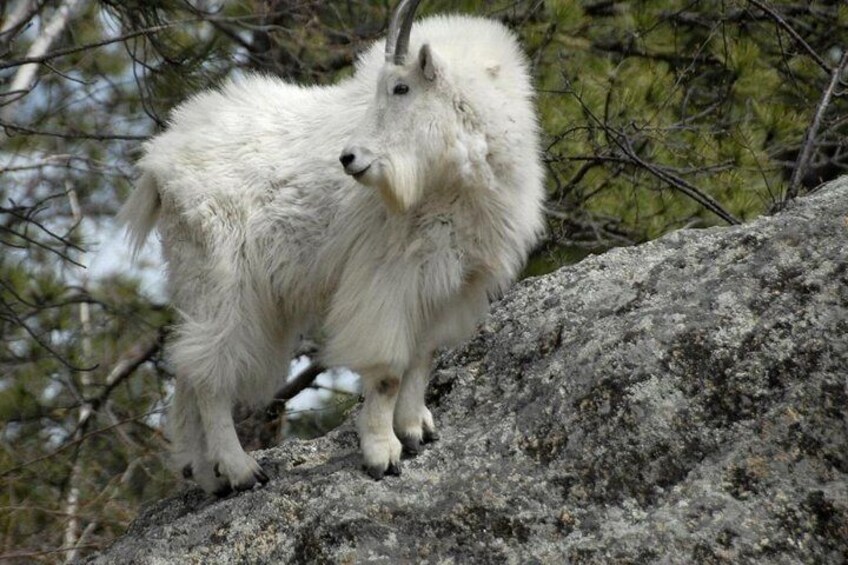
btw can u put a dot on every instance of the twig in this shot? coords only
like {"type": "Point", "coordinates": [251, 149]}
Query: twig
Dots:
{"type": "Point", "coordinates": [37, 243]}
{"type": "Point", "coordinates": [804, 156]}
{"type": "Point", "coordinates": [26, 76]}
{"type": "Point", "coordinates": [791, 31]}
{"type": "Point", "coordinates": [30, 219]}
{"type": "Point", "coordinates": [21, 555]}
{"type": "Point", "coordinates": [680, 184]}
{"type": "Point", "coordinates": [10, 127]}
{"type": "Point", "coordinates": [76, 49]}
{"type": "Point", "coordinates": [20, 323]}
{"type": "Point", "coordinates": [618, 138]}
{"type": "Point", "coordinates": [333, 390]}
{"type": "Point", "coordinates": [72, 443]}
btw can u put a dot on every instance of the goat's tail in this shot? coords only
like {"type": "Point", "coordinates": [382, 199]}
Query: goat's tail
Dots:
{"type": "Point", "coordinates": [139, 213]}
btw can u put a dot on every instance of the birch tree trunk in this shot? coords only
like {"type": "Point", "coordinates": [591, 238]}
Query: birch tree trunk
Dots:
{"type": "Point", "coordinates": [19, 13]}
{"type": "Point", "coordinates": [72, 536]}
{"type": "Point", "coordinates": [25, 76]}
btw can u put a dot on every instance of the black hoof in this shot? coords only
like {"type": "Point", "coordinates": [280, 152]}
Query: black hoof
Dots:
{"type": "Point", "coordinates": [411, 445]}
{"type": "Point", "coordinates": [375, 473]}
{"type": "Point", "coordinates": [245, 485]}
{"type": "Point", "coordinates": [187, 471]}
{"type": "Point", "coordinates": [223, 490]}
{"type": "Point", "coordinates": [430, 436]}
{"type": "Point", "coordinates": [259, 476]}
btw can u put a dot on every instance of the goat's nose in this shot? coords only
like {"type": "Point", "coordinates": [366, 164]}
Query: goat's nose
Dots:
{"type": "Point", "coordinates": [347, 159]}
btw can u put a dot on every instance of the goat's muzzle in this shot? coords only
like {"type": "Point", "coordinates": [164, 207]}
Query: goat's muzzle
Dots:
{"type": "Point", "coordinates": [356, 161]}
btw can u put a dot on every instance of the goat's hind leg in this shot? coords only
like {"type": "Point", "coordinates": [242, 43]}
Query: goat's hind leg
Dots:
{"type": "Point", "coordinates": [210, 369]}
{"type": "Point", "coordinates": [231, 466]}
{"type": "Point", "coordinates": [188, 439]}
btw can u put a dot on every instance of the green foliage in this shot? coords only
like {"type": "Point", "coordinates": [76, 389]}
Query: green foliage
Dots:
{"type": "Point", "coordinates": [715, 93]}
{"type": "Point", "coordinates": [118, 454]}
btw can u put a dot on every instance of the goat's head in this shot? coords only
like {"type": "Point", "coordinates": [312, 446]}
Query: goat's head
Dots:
{"type": "Point", "coordinates": [404, 141]}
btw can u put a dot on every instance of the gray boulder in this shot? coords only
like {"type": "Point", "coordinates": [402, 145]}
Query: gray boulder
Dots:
{"type": "Point", "coordinates": [679, 401]}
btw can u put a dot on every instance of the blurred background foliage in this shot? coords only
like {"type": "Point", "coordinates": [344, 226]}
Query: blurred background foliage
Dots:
{"type": "Point", "coordinates": [657, 115]}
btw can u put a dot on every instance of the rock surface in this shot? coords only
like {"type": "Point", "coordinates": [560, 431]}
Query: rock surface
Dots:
{"type": "Point", "coordinates": [680, 401]}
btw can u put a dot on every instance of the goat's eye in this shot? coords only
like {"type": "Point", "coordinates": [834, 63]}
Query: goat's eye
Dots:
{"type": "Point", "coordinates": [400, 88]}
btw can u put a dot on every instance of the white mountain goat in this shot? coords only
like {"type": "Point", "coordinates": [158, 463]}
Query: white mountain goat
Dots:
{"type": "Point", "coordinates": [381, 259]}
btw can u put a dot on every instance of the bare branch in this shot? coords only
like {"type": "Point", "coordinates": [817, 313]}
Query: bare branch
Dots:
{"type": "Point", "coordinates": [37, 339]}
{"type": "Point", "coordinates": [128, 364]}
{"type": "Point", "coordinates": [75, 442]}
{"type": "Point", "coordinates": [292, 388]}
{"type": "Point", "coordinates": [678, 183]}
{"type": "Point", "coordinates": [804, 156]}
{"type": "Point", "coordinates": [791, 31]}
{"type": "Point", "coordinates": [71, 50]}
{"type": "Point", "coordinates": [621, 140]}
{"type": "Point", "coordinates": [29, 218]}
{"type": "Point", "coordinates": [35, 242]}
{"type": "Point", "coordinates": [16, 128]}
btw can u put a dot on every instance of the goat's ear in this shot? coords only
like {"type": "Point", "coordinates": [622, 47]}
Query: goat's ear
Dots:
{"type": "Point", "coordinates": [428, 62]}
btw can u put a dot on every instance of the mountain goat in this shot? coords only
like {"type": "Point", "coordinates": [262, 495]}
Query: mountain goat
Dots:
{"type": "Point", "coordinates": [381, 259]}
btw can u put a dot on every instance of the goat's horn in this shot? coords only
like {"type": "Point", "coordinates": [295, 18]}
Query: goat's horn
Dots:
{"type": "Point", "coordinates": [397, 42]}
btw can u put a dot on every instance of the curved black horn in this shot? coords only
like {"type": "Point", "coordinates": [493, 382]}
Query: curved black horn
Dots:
{"type": "Point", "coordinates": [397, 41]}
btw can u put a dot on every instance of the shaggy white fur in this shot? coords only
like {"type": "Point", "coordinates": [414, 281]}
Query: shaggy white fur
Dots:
{"type": "Point", "coordinates": [267, 237]}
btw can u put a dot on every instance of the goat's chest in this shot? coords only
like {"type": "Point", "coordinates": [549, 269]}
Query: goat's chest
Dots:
{"type": "Point", "coordinates": [428, 236]}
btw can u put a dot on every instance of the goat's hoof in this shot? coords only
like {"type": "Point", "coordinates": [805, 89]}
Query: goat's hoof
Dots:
{"type": "Point", "coordinates": [429, 436]}
{"type": "Point", "coordinates": [261, 476]}
{"type": "Point", "coordinates": [375, 472]}
{"type": "Point", "coordinates": [245, 485]}
{"type": "Point", "coordinates": [378, 472]}
{"type": "Point", "coordinates": [411, 445]}
{"type": "Point", "coordinates": [223, 490]}
{"type": "Point", "coordinates": [257, 476]}
{"type": "Point", "coordinates": [187, 471]}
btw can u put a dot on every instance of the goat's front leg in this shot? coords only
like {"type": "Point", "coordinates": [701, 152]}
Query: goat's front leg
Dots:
{"type": "Point", "coordinates": [413, 422]}
{"type": "Point", "coordinates": [380, 448]}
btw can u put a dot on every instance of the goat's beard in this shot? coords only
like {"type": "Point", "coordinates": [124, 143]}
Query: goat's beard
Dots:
{"type": "Point", "coordinates": [400, 184]}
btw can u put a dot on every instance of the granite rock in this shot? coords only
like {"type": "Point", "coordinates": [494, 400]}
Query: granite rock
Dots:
{"type": "Point", "coordinates": [681, 401]}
